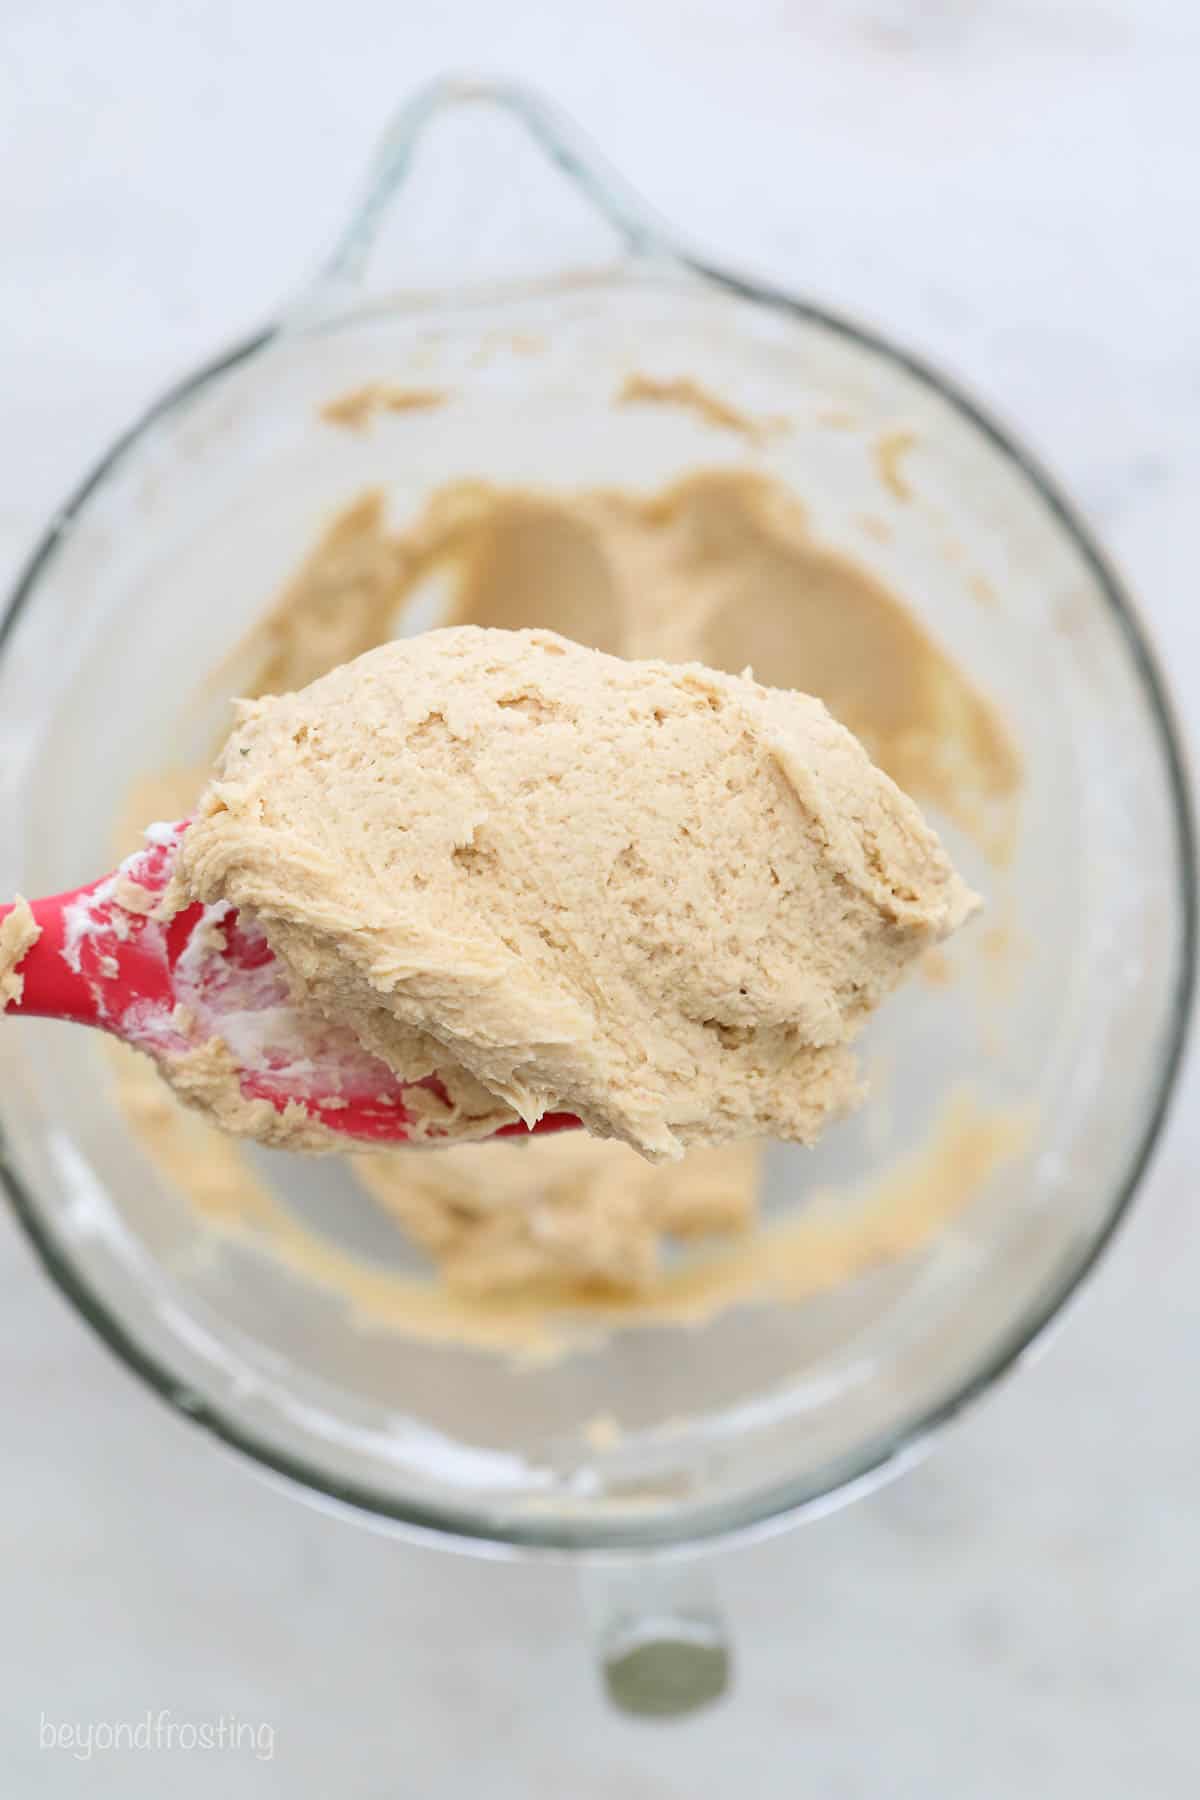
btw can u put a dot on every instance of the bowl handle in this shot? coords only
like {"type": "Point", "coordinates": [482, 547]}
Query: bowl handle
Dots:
{"type": "Point", "coordinates": [657, 1632]}
{"type": "Point", "coordinates": [454, 175]}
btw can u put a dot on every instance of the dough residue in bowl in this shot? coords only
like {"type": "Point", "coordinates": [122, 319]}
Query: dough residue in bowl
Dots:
{"type": "Point", "coordinates": [692, 396]}
{"type": "Point", "coordinates": [567, 1212]}
{"type": "Point", "coordinates": [722, 566]}
{"type": "Point", "coordinates": [355, 410]}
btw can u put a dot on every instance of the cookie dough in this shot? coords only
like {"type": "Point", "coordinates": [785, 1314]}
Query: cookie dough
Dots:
{"type": "Point", "coordinates": [722, 566]}
{"type": "Point", "coordinates": [690, 395]}
{"type": "Point", "coordinates": [658, 897]}
{"type": "Point", "coordinates": [562, 1213]}
{"type": "Point", "coordinates": [19, 931]}
{"type": "Point", "coordinates": [356, 409]}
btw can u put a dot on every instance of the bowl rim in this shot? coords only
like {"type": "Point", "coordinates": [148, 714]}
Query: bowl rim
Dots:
{"type": "Point", "coordinates": [882, 1457]}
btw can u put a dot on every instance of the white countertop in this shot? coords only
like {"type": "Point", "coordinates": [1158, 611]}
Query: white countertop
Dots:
{"type": "Point", "coordinates": [1009, 185]}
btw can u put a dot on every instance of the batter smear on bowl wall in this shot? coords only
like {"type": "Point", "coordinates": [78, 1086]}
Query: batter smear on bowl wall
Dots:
{"type": "Point", "coordinates": [720, 568]}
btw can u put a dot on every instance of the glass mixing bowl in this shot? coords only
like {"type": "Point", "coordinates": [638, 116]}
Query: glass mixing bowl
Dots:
{"type": "Point", "coordinates": [526, 279]}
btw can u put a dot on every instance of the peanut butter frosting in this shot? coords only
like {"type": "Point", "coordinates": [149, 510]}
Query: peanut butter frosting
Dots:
{"type": "Point", "coordinates": [722, 566]}
{"type": "Point", "coordinates": [658, 897]}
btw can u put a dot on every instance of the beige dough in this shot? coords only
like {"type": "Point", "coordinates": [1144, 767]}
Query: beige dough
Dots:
{"type": "Point", "coordinates": [356, 409]}
{"type": "Point", "coordinates": [836, 1237]}
{"type": "Point", "coordinates": [18, 934]}
{"type": "Point", "coordinates": [567, 1211]}
{"type": "Point", "coordinates": [690, 395]}
{"type": "Point", "coordinates": [656, 897]}
{"type": "Point", "coordinates": [890, 452]}
{"type": "Point", "coordinates": [721, 566]}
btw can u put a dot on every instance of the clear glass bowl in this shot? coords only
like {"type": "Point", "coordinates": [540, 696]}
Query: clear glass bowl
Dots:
{"type": "Point", "coordinates": [492, 214]}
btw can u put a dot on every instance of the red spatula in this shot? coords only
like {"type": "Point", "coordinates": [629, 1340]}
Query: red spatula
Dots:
{"type": "Point", "coordinates": [102, 960]}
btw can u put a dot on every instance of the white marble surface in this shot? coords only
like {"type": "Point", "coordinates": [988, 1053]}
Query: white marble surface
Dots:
{"type": "Point", "coordinates": [1010, 185]}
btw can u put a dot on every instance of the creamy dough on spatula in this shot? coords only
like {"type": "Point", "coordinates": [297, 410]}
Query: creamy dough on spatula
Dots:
{"type": "Point", "coordinates": [658, 897]}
